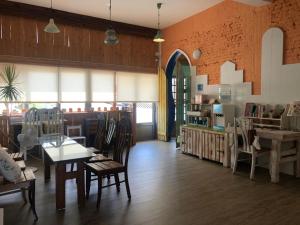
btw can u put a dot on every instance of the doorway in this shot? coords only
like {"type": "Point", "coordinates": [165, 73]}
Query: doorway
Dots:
{"type": "Point", "coordinates": [179, 94]}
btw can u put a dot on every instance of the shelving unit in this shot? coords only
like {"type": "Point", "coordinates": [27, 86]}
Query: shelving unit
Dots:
{"type": "Point", "coordinates": [257, 113]}
{"type": "Point", "coordinates": [197, 115]}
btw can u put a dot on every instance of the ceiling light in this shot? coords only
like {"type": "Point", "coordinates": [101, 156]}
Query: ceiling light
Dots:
{"type": "Point", "coordinates": [158, 37]}
{"type": "Point", "coordinates": [51, 27]}
{"type": "Point", "coordinates": [111, 37]}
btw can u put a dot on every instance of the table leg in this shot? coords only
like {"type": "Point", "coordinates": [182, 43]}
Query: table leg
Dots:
{"type": "Point", "coordinates": [80, 184]}
{"type": "Point", "coordinates": [60, 172]}
{"type": "Point", "coordinates": [297, 169]}
{"type": "Point", "coordinates": [274, 161]}
{"type": "Point", "coordinates": [47, 174]}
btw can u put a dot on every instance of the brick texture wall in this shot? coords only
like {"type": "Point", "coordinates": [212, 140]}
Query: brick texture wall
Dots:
{"type": "Point", "coordinates": [233, 31]}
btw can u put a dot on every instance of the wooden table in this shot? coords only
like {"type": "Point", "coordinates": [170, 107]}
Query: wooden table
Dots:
{"type": "Point", "coordinates": [278, 137]}
{"type": "Point", "coordinates": [69, 152]}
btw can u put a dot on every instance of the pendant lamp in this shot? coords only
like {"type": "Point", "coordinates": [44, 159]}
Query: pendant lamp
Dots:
{"type": "Point", "coordinates": [111, 37]}
{"type": "Point", "coordinates": [51, 27]}
{"type": "Point", "coordinates": [158, 37]}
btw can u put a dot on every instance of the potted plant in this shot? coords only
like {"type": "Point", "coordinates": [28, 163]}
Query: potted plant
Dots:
{"type": "Point", "coordinates": [8, 89]}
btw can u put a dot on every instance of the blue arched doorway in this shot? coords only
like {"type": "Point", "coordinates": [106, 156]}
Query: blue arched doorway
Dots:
{"type": "Point", "coordinates": [178, 91]}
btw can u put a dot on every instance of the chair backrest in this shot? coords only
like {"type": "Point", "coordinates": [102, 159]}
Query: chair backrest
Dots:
{"type": "Point", "coordinates": [51, 125]}
{"type": "Point", "coordinates": [100, 135]}
{"type": "Point", "coordinates": [243, 127]}
{"type": "Point", "coordinates": [74, 128]}
{"type": "Point", "coordinates": [110, 130]}
{"type": "Point", "coordinates": [123, 141]}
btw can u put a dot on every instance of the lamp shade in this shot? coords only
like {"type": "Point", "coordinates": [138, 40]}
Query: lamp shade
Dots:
{"type": "Point", "coordinates": [158, 37]}
{"type": "Point", "coordinates": [294, 109]}
{"type": "Point", "coordinates": [51, 27]}
{"type": "Point", "coordinates": [111, 37]}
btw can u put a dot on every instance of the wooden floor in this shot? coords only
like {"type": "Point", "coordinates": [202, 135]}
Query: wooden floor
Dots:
{"type": "Point", "coordinates": [169, 188]}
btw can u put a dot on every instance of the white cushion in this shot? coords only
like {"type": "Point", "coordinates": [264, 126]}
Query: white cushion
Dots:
{"type": "Point", "coordinates": [9, 169]}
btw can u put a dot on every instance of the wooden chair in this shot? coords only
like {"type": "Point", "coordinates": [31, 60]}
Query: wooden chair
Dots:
{"type": "Point", "coordinates": [79, 137]}
{"type": "Point", "coordinates": [243, 127]}
{"type": "Point", "coordinates": [26, 181]}
{"type": "Point", "coordinates": [119, 164]}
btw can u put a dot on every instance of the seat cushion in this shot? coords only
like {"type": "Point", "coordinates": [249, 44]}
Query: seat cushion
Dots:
{"type": "Point", "coordinates": [9, 169]}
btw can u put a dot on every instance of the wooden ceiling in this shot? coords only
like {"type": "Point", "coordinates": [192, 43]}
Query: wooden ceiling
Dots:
{"type": "Point", "coordinates": [42, 13]}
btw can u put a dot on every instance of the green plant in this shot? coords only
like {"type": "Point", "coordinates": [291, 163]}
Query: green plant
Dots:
{"type": "Point", "coordinates": [9, 91]}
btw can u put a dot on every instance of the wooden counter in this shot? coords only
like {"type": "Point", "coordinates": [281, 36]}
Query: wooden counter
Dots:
{"type": "Point", "coordinates": [205, 143]}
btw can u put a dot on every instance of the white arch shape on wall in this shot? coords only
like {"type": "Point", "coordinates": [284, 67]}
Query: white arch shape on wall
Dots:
{"type": "Point", "coordinates": [181, 52]}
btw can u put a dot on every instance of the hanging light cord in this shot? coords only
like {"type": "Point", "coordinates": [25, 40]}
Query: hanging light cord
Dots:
{"type": "Point", "coordinates": [110, 13]}
{"type": "Point", "coordinates": [158, 14]}
{"type": "Point", "coordinates": [51, 4]}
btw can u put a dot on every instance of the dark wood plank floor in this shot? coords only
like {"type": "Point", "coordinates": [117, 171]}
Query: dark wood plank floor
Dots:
{"type": "Point", "coordinates": [169, 188]}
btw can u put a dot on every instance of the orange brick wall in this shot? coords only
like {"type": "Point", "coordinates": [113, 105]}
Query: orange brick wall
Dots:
{"type": "Point", "coordinates": [233, 31]}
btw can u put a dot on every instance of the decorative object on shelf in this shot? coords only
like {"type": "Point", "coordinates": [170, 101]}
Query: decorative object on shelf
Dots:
{"type": "Point", "coordinates": [9, 91]}
{"type": "Point", "coordinates": [51, 26]}
{"type": "Point", "coordinates": [197, 53]}
{"type": "Point", "coordinates": [158, 37]}
{"type": "Point", "coordinates": [294, 111]}
{"type": "Point", "coordinates": [267, 116]}
{"type": "Point", "coordinates": [111, 37]}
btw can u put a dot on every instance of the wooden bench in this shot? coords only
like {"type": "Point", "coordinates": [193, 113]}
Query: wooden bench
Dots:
{"type": "Point", "coordinates": [26, 182]}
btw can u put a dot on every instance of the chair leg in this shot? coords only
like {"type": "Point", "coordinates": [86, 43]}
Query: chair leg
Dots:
{"type": "Point", "coordinates": [99, 190]}
{"type": "Point", "coordinates": [127, 185]}
{"type": "Point", "coordinates": [31, 196]}
{"type": "Point", "coordinates": [23, 190]}
{"type": "Point", "coordinates": [253, 163]}
{"type": "Point", "coordinates": [236, 157]}
{"type": "Point", "coordinates": [117, 181]}
{"type": "Point", "coordinates": [88, 183]}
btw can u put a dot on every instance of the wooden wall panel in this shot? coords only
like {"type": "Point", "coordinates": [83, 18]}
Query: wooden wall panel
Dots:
{"type": "Point", "coordinates": [23, 40]}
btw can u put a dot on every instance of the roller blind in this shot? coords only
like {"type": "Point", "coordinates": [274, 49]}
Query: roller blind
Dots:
{"type": "Point", "coordinates": [73, 84]}
{"type": "Point", "coordinates": [137, 87]}
{"type": "Point", "coordinates": [37, 83]}
{"type": "Point", "coordinates": [102, 85]}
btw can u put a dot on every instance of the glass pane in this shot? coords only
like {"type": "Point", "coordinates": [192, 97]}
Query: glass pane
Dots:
{"type": "Point", "coordinates": [73, 107]}
{"type": "Point", "coordinates": [144, 113]}
{"type": "Point", "coordinates": [101, 106]}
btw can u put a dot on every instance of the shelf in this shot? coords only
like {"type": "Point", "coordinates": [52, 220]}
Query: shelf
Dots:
{"type": "Point", "coordinates": [266, 125]}
{"type": "Point", "coordinates": [262, 118]}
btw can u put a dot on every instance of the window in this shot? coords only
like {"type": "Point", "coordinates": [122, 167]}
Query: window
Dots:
{"type": "Point", "coordinates": [38, 83]}
{"type": "Point", "coordinates": [144, 112]}
{"type": "Point", "coordinates": [136, 87]}
{"type": "Point", "coordinates": [102, 85]}
{"type": "Point", "coordinates": [73, 85]}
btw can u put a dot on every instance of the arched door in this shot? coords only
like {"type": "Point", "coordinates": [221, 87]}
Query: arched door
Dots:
{"type": "Point", "coordinates": [179, 93]}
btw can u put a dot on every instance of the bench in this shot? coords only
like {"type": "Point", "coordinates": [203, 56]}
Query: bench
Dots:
{"type": "Point", "coordinates": [26, 182]}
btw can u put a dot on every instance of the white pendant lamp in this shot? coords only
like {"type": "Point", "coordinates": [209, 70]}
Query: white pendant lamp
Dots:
{"type": "Point", "coordinates": [111, 37]}
{"type": "Point", "coordinates": [158, 37]}
{"type": "Point", "coordinates": [51, 27]}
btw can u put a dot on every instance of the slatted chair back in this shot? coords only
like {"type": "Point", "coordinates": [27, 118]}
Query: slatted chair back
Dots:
{"type": "Point", "coordinates": [110, 130]}
{"type": "Point", "coordinates": [123, 141]}
{"type": "Point", "coordinates": [100, 135]}
{"type": "Point", "coordinates": [31, 120]}
{"type": "Point", "coordinates": [243, 127]}
{"type": "Point", "coordinates": [51, 125]}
